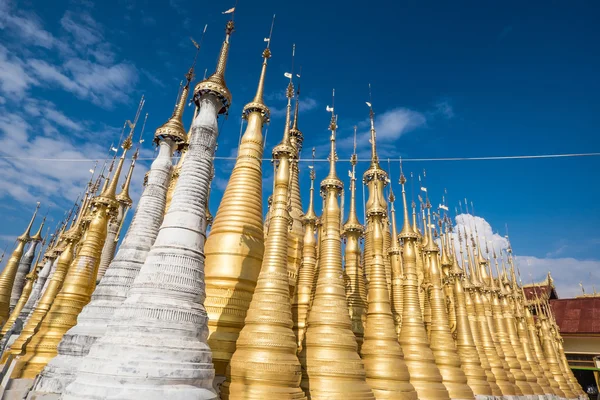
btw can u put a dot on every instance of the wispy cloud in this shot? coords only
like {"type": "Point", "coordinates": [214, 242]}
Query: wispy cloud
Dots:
{"type": "Point", "coordinates": [81, 62]}
{"type": "Point", "coordinates": [389, 125]}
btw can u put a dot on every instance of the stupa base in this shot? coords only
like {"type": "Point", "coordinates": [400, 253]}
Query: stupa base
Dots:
{"type": "Point", "coordinates": [129, 392]}
{"type": "Point", "coordinates": [17, 389]}
{"type": "Point", "coordinates": [43, 396]}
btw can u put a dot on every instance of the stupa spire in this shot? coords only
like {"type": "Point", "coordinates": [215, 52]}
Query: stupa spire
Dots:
{"type": "Point", "coordinates": [492, 302]}
{"type": "Point", "coordinates": [7, 277]}
{"type": "Point", "coordinates": [27, 288]}
{"type": "Point", "coordinates": [265, 364]}
{"type": "Point", "coordinates": [550, 353]}
{"type": "Point", "coordinates": [535, 341]}
{"type": "Point", "coordinates": [306, 273]}
{"type": "Point", "coordinates": [123, 269]}
{"type": "Point", "coordinates": [523, 336]}
{"type": "Point", "coordinates": [352, 232]}
{"type": "Point", "coordinates": [115, 224]}
{"type": "Point", "coordinates": [240, 215]}
{"type": "Point", "coordinates": [394, 251]}
{"type": "Point", "coordinates": [386, 371]}
{"type": "Point", "coordinates": [473, 361]}
{"type": "Point", "coordinates": [65, 251]}
{"type": "Point", "coordinates": [216, 82]}
{"type": "Point", "coordinates": [80, 280]}
{"type": "Point", "coordinates": [333, 365]}
{"type": "Point", "coordinates": [296, 138]}
{"type": "Point", "coordinates": [425, 375]}
{"type": "Point", "coordinates": [24, 267]}
{"type": "Point", "coordinates": [169, 289]}
{"type": "Point", "coordinates": [442, 342]}
{"type": "Point", "coordinates": [483, 315]}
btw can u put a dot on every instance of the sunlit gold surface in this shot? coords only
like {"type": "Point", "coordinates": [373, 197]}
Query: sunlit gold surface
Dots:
{"type": "Point", "coordinates": [382, 355]}
{"type": "Point", "coordinates": [499, 330]}
{"type": "Point", "coordinates": [395, 253]}
{"type": "Point", "coordinates": [7, 277]}
{"type": "Point", "coordinates": [424, 373]}
{"type": "Point", "coordinates": [65, 249]}
{"type": "Point", "coordinates": [505, 298]}
{"type": "Point", "coordinates": [76, 289]}
{"type": "Point", "coordinates": [473, 359]}
{"type": "Point", "coordinates": [550, 355]}
{"type": "Point", "coordinates": [306, 274]}
{"type": "Point", "coordinates": [333, 366]}
{"type": "Point", "coordinates": [30, 279]}
{"type": "Point", "coordinates": [539, 353]}
{"type": "Point", "coordinates": [296, 239]}
{"type": "Point", "coordinates": [355, 291]}
{"type": "Point", "coordinates": [487, 343]}
{"type": "Point", "coordinates": [234, 249]}
{"type": "Point", "coordinates": [442, 342]}
{"type": "Point", "coordinates": [265, 365]}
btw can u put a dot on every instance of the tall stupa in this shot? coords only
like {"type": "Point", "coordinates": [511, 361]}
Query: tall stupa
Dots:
{"type": "Point", "coordinates": [165, 302]}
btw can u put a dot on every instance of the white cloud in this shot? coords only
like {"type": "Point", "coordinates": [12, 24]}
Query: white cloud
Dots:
{"type": "Point", "coordinates": [14, 80]}
{"type": "Point", "coordinates": [82, 61]}
{"type": "Point", "coordinates": [389, 125]}
{"type": "Point", "coordinates": [566, 271]}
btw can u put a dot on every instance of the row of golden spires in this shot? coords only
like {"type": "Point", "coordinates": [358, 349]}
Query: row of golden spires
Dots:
{"type": "Point", "coordinates": [405, 318]}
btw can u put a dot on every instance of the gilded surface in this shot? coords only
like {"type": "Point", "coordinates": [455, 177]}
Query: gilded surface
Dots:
{"type": "Point", "coordinates": [353, 270]}
{"type": "Point", "coordinates": [387, 373]}
{"type": "Point", "coordinates": [473, 358]}
{"type": "Point", "coordinates": [441, 340]}
{"type": "Point", "coordinates": [424, 374]}
{"type": "Point", "coordinates": [9, 272]}
{"type": "Point", "coordinates": [234, 249]}
{"type": "Point", "coordinates": [333, 366]}
{"type": "Point", "coordinates": [265, 365]}
{"type": "Point", "coordinates": [78, 284]}
{"type": "Point", "coordinates": [306, 274]}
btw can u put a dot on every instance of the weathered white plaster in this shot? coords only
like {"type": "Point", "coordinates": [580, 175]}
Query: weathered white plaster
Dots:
{"type": "Point", "coordinates": [155, 345]}
{"type": "Point", "coordinates": [113, 288]}
{"type": "Point", "coordinates": [22, 270]}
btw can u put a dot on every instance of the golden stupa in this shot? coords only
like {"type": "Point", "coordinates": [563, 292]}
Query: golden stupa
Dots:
{"type": "Point", "coordinates": [299, 306]}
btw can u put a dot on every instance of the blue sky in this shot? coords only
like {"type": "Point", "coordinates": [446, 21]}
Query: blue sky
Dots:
{"type": "Point", "coordinates": [458, 79]}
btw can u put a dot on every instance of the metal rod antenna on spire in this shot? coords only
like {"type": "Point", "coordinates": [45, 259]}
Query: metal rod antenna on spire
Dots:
{"type": "Point", "coordinates": [198, 45]}
{"type": "Point", "coordinates": [268, 40]}
{"type": "Point", "coordinates": [133, 124]}
{"type": "Point", "coordinates": [140, 141]}
{"type": "Point", "coordinates": [293, 57]}
{"type": "Point", "coordinates": [233, 12]}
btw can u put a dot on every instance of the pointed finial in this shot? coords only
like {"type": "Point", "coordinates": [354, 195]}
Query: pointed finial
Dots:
{"type": "Point", "coordinates": [3, 253]}
{"type": "Point", "coordinates": [110, 191]}
{"type": "Point", "coordinates": [257, 104]}
{"type": "Point", "coordinates": [38, 235]}
{"type": "Point", "coordinates": [332, 181]}
{"type": "Point", "coordinates": [215, 83]}
{"type": "Point", "coordinates": [285, 146]}
{"type": "Point", "coordinates": [407, 231]}
{"type": "Point", "coordinates": [124, 197]}
{"type": "Point", "coordinates": [190, 75]}
{"type": "Point", "coordinates": [372, 140]}
{"type": "Point", "coordinates": [173, 128]}
{"type": "Point", "coordinates": [25, 236]}
{"type": "Point", "coordinates": [353, 224]}
{"type": "Point", "coordinates": [310, 213]}
{"type": "Point", "coordinates": [297, 108]}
